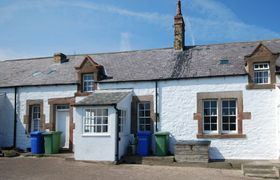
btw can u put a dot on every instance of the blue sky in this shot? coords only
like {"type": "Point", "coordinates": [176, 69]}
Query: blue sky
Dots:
{"type": "Point", "coordinates": [32, 28]}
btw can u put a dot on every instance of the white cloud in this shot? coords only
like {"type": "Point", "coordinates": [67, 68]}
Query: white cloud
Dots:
{"type": "Point", "coordinates": [214, 22]}
{"type": "Point", "coordinates": [206, 20]}
{"type": "Point", "coordinates": [125, 41]}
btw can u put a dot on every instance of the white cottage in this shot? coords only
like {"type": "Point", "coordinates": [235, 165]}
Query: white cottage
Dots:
{"type": "Point", "coordinates": [226, 93]}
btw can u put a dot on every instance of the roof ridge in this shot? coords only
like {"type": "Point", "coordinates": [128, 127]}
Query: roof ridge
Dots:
{"type": "Point", "coordinates": [140, 50]}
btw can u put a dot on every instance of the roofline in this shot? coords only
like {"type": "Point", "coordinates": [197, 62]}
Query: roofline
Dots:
{"type": "Point", "coordinates": [139, 50]}
{"type": "Point", "coordinates": [36, 85]}
{"type": "Point", "coordinates": [173, 79]}
{"type": "Point", "coordinates": [126, 81]}
{"type": "Point", "coordinates": [85, 105]}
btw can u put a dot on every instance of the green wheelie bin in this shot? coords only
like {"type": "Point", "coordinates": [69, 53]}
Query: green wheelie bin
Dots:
{"type": "Point", "coordinates": [162, 143]}
{"type": "Point", "coordinates": [52, 142]}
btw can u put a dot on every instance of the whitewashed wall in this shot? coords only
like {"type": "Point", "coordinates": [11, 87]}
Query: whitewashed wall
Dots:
{"type": "Point", "coordinates": [34, 93]}
{"type": "Point", "coordinates": [125, 105]}
{"type": "Point", "coordinates": [7, 117]}
{"type": "Point", "coordinates": [177, 103]}
{"type": "Point", "coordinates": [98, 147]}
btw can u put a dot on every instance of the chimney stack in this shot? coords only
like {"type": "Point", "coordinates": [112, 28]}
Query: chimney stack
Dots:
{"type": "Point", "coordinates": [60, 58]}
{"type": "Point", "coordinates": [179, 29]}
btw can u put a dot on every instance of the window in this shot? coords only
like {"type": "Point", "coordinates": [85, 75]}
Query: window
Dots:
{"type": "Point", "coordinates": [95, 121]}
{"type": "Point", "coordinates": [122, 120]}
{"type": "Point", "coordinates": [261, 73]}
{"type": "Point", "coordinates": [213, 120]}
{"type": "Point", "coordinates": [210, 116]}
{"type": "Point", "coordinates": [88, 81]}
{"type": "Point", "coordinates": [35, 118]}
{"type": "Point", "coordinates": [144, 116]}
{"type": "Point", "coordinates": [229, 115]}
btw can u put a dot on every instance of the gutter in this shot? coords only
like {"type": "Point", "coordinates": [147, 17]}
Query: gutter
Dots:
{"type": "Point", "coordinates": [116, 162]}
{"type": "Point", "coordinates": [171, 79]}
{"type": "Point", "coordinates": [15, 118]}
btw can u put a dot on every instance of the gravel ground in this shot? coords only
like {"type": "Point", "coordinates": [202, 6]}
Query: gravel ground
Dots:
{"type": "Point", "coordinates": [59, 169]}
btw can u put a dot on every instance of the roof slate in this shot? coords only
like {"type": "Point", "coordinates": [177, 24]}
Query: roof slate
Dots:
{"type": "Point", "coordinates": [155, 64]}
{"type": "Point", "coordinates": [102, 98]}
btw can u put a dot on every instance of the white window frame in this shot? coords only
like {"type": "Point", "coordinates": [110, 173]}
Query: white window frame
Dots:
{"type": "Point", "coordinates": [88, 84]}
{"type": "Point", "coordinates": [144, 117]}
{"type": "Point", "coordinates": [122, 123]}
{"type": "Point", "coordinates": [91, 121]}
{"type": "Point", "coordinates": [210, 116]}
{"type": "Point", "coordinates": [37, 118]}
{"type": "Point", "coordinates": [261, 68]}
{"type": "Point", "coordinates": [230, 115]}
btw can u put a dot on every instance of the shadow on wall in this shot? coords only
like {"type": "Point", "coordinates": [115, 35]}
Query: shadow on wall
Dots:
{"type": "Point", "coordinates": [6, 122]}
{"type": "Point", "coordinates": [215, 154]}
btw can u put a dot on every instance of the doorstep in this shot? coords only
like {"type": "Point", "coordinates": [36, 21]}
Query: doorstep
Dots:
{"type": "Point", "coordinates": [169, 161]}
{"type": "Point", "coordinates": [66, 156]}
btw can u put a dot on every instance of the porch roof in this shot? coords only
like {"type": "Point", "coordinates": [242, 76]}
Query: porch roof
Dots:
{"type": "Point", "coordinates": [103, 98]}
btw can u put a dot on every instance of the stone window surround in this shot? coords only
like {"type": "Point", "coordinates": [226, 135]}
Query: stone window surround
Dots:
{"type": "Point", "coordinates": [264, 56]}
{"type": "Point", "coordinates": [238, 95]}
{"type": "Point", "coordinates": [134, 109]}
{"type": "Point", "coordinates": [52, 123]}
{"type": "Point", "coordinates": [81, 70]}
{"type": "Point", "coordinates": [27, 116]}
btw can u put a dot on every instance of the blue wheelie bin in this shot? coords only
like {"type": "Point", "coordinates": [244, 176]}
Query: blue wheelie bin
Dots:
{"type": "Point", "coordinates": [144, 143]}
{"type": "Point", "coordinates": [37, 142]}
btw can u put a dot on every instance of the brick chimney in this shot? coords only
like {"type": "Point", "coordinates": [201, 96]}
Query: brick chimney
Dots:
{"type": "Point", "coordinates": [179, 29]}
{"type": "Point", "coordinates": [60, 58]}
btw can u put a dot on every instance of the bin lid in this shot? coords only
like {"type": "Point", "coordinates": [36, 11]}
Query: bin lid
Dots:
{"type": "Point", "coordinates": [162, 133]}
{"type": "Point", "coordinates": [57, 132]}
{"type": "Point", "coordinates": [36, 133]}
{"type": "Point", "coordinates": [48, 133]}
{"type": "Point", "coordinates": [144, 133]}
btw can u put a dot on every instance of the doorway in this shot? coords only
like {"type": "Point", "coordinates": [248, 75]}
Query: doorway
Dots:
{"type": "Point", "coordinates": [63, 125]}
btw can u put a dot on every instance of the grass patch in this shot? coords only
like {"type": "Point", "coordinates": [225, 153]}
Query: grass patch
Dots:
{"type": "Point", "coordinates": [10, 153]}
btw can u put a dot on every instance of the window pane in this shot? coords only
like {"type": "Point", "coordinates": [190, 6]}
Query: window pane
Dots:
{"type": "Point", "coordinates": [207, 120]}
{"type": "Point", "coordinates": [207, 127]}
{"type": "Point", "coordinates": [225, 127]}
{"type": "Point", "coordinates": [232, 127]}
{"type": "Point", "coordinates": [233, 119]}
{"type": "Point", "coordinates": [105, 128]}
{"type": "Point", "coordinates": [206, 104]}
{"type": "Point", "coordinates": [147, 105]}
{"type": "Point", "coordinates": [213, 127]}
{"type": "Point", "coordinates": [213, 119]}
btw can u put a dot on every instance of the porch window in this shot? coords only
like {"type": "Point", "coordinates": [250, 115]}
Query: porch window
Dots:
{"type": "Point", "coordinates": [88, 80]}
{"type": "Point", "coordinates": [122, 120]}
{"type": "Point", "coordinates": [95, 121]}
{"type": "Point", "coordinates": [261, 73]}
{"type": "Point", "coordinates": [35, 118]}
{"type": "Point", "coordinates": [144, 116]}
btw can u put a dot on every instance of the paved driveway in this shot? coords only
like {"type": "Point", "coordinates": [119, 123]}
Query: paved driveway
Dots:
{"type": "Point", "coordinates": [59, 169]}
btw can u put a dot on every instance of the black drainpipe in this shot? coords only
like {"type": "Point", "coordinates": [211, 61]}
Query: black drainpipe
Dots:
{"type": "Point", "coordinates": [15, 119]}
{"type": "Point", "coordinates": [117, 135]}
{"type": "Point", "coordinates": [156, 90]}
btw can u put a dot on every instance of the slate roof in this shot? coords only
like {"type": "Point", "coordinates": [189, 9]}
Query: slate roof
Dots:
{"type": "Point", "coordinates": [101, 98]}
{"type": "Point", "coordinates": [194, 62]}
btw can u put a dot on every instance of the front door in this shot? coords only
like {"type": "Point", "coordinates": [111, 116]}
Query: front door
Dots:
{"type": "Point", "coordinates": [62, 124]}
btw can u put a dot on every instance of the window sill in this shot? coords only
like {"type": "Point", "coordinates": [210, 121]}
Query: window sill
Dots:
{"type": "Point", "coordinates": [220, 136]}
{"type": "Point", "coordinates": [96, 135]}
{"type": "Point", "coordinates": [260, 86]}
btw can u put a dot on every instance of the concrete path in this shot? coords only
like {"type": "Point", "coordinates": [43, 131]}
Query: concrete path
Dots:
{"type": "Point", "coordinates": [59, 169]}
